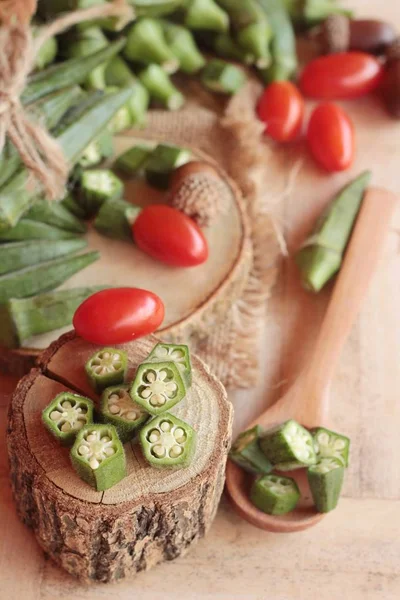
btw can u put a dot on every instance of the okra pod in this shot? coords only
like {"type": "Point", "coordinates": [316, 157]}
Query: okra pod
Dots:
{"type": "Point", "coordinates": [72, 204]}
{"type": "Point", "coordinates": [55, 214]}
{"type": "Point", "coordinates": [168, 442]}
{"type": "Point", "coordinates": [205, 15]}
{"type": "Point", "coordinates": [97, 186]}
{"type": "Point", "coordinates": [161, 88]}
{"type": "Point", "coordinates": [97, 151]}
{"type": "Point", "coordinates": [146, 44]}
{"type": "Point", "coordinates": [329, 444]}
{"type": "Point", "coordinates": [246, 452]}
{"type": "Point", "coordinates": [18, 255]}
{"type": "Point", "coordinates": [119, 74]}
{"type": "Point", "coordinates": [106, 368]}
{"type": "Point", "coordinates": [222, 77]}
{"type": "Point", "coordinates": [283, 46]}
{"type": "Point", "coordinates": [164, 159]}
{"type": "Point", "coordinates": [66, 415]}
{"type": "Point", "coordinates": [321, 255]}
{"type": "Point", "coordinates": [50, 9]}
{"type": "Point", "coordinates": [43, 277]}
{"type": "Point", "coordinates": [306, 13]}
{"type": "Point", "coordinates": [27, 229]}
{"type": "Point", "coordinates": [86, 43]}
{"type": "Point", "coordinates": [183, 45]}
{"type": "Point", "coordinates": [23, 319]}
{"type": "Point", "coordinates": [117, 408]}
{"type": "Point", "coordinates": [132, 161]}
{"type": "Point", "coordinates": [178, 354]}
{"type": "Point", "coordinates": [47, 53]}
{"type": "Point", "coordinates": [288, 446]}
{"type": "Point", "coordinates": [115, 219]}
{"type": "Point", "coordinates": [158, 387]}
{"type": "Point", "coordinates": [122, 119]}
{"type": "Point", "coordinates": [275, 495]}
{"type": "Point", "coordinates": [155, 8]}
{"type": "Point", "coordinates": [98, 456]}
{"type": "Point", "coordinates": [225, 46]}
{"type": "Point", "coordinates": [326, 481]}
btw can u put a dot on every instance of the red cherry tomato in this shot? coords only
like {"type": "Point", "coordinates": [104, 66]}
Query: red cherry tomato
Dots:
{"type": "Point", "coordinates": [281, 108]}
{"type": "Point", "coordinates": [330, 137]}
{"type": "Point", "coordinates": [343, 75]}
{"type": "Point", "coordinates": [119, 315]}
{"type": "Point", "coordinates": [170, 236]}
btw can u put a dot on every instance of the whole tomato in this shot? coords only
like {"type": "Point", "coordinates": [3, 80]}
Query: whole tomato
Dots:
{"type": "Point", "coordinates": [344, 75]}
{"type": "Point", "coordinates": [118, 315]}
{"type": "Point", "coordinates": [281, 108]}
{"type": "Point", "coordinates": [330, 137]}
{"type": "Point", "coordinates": [170, 236]}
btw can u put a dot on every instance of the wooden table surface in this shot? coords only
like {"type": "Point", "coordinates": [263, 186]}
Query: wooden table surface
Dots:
{"type": "Point", "coordinates": [355, 552]}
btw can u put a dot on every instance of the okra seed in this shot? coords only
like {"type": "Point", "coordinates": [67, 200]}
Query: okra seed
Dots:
{"type": "Point", "coordinates": [131, 416]}
{"type": "Point", "coordinates": [116, 357]}
{"type": "Point", "coordinates": [146, 394]}
{"type": "Point", "coordinates": [113, 398]}
{"type": "Point", "coordinates": [94, 463]}
{"type": "Point", "coordinates": [66, 427]}
{"type": "Point", "coordinates": [92, 437]}
{"type": "Point", "coordinates": [154, 436]}
{"type": "Point", "coordinates": [117, 366]}
{"type": "Point", "coordinates": [165, 426]}
{"type": "Point", "coordinates": [109, 451]}
{"type": "Point", "coordinates": [323, 438]}
{"type": "Point", "coordinates": [79, 424]}
{"type": "Point", "coordinates": [162, 375]}
{"type": "Point", "coordinates": [171, 387]}
{"type": "Point", "coordinates": [55, 415]}
{"type": "Point", "coordinates": [114, 409]}
{"type": "Point", "coordinates": [177, 354]}
{"type": "Point", "coordinates": [66, 404]}
{"type": "Point", "coordinates": [105, 439]}
{"type": "Point", "coordinates": [83, 450]}
{"type": "Point", "coordinates": [150, 377]}
{"type": "Point", "coordinates": [158, 450]}
{"type": "Point", "coordinates": [161, 352]}
{"type": "Point", "coordinates": [175, 451]}
{"type": "Point", "coordinates": [339, 445]}
{"type": "Point", "coordinates": [106, 355]}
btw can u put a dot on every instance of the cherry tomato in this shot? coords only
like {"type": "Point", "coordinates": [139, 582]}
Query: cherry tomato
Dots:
{"type": "Point", "coordinates": [170, 236]}
{"type": "Point", "coordinates": [281, 108]}
{"type": "Point", "coordinates": [330, 137]}
{"type": "Point", "coordinates": [118, 315]}
{"type": "Point", "coordinates": [343, 75]}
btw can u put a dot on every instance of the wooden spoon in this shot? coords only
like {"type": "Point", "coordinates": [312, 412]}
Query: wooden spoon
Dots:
{"type": "Point", "coordinates": [307, 401]}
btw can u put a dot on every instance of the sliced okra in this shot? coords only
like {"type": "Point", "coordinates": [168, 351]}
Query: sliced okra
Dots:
{"type": "Point", "coordinates": [329, 444]}
{"type": "Point", "coordinates": [115, 219]}
{"type": "Point", "coordinates": [66, 415]}
{"type": "Point", "coordinates": [275, 495]}
{"type": "Point", "coordinates": [289, 446]}
{"type": "Point", "coordinates": [107, 367]}
{"type": "Point", "coordinates": [168, 442]}
{"type": "Point", "coordinates": [164, 159]}
{"type": "Point", "coordinates": [246, 452]}
{"type": "Point", "coordinates": [157, 387]}
{"type": "Point", "coordinates": [222, 77]}
{"type": "Point", "coordinates": [118, 409]}
{"type": "Point", "coordinates": [98, 456]}
{"type": "Point", "coordinates": [97, 186]}
{"type": "Point", "coordinates": [133, 160]}
{"type": "Point", "coordinates": [326, 481]}
{"type": "Point", "coordinates": [177, 353]}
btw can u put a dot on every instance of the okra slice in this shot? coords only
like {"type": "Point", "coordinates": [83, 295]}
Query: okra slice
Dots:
{"type": "Point", "coordinates": [326, 481]}
{"type": "Point", "coordinates": [289, 446]}
{"type": "Point", "coordinates": [222, 77]}
{"type": "Point", "coordinates": [97, 186]}
{"type": "Point", "coordinates": [97, 151]}
{"type": "Point", "coordinates": [66, 415]}
{"type": "Point", "coordinates": [246, 452]}
{"type": "Point", "coordinates": [275, 495]}
{"type": "Point", "coordinates": [178, 354]}
{"type": "Point", "coordinates": [107, 367]}
{"type": "Point", "coordinates": [115, 219]}
{"type": "Point", "coordinates": [157, 387]}
{"type": "Point", "coordinates": [329, 444]}
{"type": "Point", "coordinates": [118, 409]}
{"type": "Point", "coordinates": [168, 442]}
{"type": "Point", "coordinates": [98, 456]}
{"type": "Point", "coordinates": [163, 160]}
{"type": "Point", "coordinates": [133, 160]}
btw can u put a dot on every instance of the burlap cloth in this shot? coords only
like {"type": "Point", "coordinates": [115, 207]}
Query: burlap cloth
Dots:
{"type": "Point", "coordinates": [228, 337]}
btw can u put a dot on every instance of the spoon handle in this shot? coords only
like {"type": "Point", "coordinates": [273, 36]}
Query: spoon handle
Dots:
{"type": "Point", "coordinates": [360, 263]}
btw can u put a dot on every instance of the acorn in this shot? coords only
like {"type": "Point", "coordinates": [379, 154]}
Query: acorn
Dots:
{"type": "Point", "coordinates": [338, 33]}
{"type": "Point", "coordinates": [198, 190]}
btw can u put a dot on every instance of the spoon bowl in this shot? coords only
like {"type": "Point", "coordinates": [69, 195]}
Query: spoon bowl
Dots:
{"type": "Point", "coordinates": [307, 401]}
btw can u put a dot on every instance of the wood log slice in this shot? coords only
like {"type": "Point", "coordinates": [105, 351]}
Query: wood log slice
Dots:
{"type": "Point", "coordinates": [150, 516]}
{"type": "Point", "coordinates": [192, 297]}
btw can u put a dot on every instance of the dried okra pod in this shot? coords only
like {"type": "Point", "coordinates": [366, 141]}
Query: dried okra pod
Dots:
{"type": "Point", "coordinates": [289, 446]}
{"type": "Point", "coordinates": [275, 495]}
{"type": "Point", "coordinates": [118, 409]}
{"type": "Point", "coordinates": [66, 415]}
{"type": "Point", "coordinates": [157, 387]}
{"type": "Point", "coordinates": [98, 456]}
{"type": "Point", "coordinates": [107, 367]}
{"type": "Point", "coordinates": [326, 480]}
{"type": "Point", "coordinates": [247, 453]}
{"type": "Point", "coordinates": [329, 444]}
{"type": "Point", "coordinates": [178, 354]}
{"type": "Point", "coordinates": [168, 442]}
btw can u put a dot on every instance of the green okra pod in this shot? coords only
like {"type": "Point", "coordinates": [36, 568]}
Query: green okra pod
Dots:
{"type": "Point", "coordinates": [98, 456]}
{"type": "Point", "coordinates": [115, 219]}
{"type": "Point", "coordinates": [122, 119]}
{"type": "Point", "coordinates": [132, 161]}
{"type": "Point", "coordinates": [118, 409]}
{"type": "Point", "coordinates": [329, 444]}
{"type": "Point", "coordinates": [161, 88]}
{"type": "Point", "coordinates": [164, 159]}
{"type": "Point", "coordinates": [326, 481]}
{"type": "Point", "coordinates": [321, 255]}
{"type": "Point", "coordinates": [306, 13]}
{"type": "Point", "coordinates": [283, 45]}
{"type": "Point", "coordinates": [97, 151]}
{"type": "Point", "coordinates": [146, 44]}
{"type": "Point", "coordinates": [155, 8]}
{"type": "Point", "coordinates": [183, 45]}
{"type": "Point", "coordinates": [106, 368]}
{"type": "Point", "coordinates": [55, 214]}
{"type": "Point", "coordinates": [27, 229]}
{"type": "Point", "coordinates": [84, 44]}
{"type": "Point", "coordinates": [222, 77]}
{"type": "Point", "coordinates": [178, 354]}
{"type": "Point", "coordinates": [119, 74]}
{"type": "Point", "coordinates": [246, 452]}
{"type": "Point", "coordinates": [66, 415]}
{"type": "Point", "coordinates": [158, 387]}
{"type": "Point", "coordinates": [205, 15]}
{"type": "Point", "coordinates": [97, 186]}
{"type": "Point", "coordinates": [288, 446]}
{"type": "Point", "coordinates": [275, 495]}
{"type": "Point", "coordinates": [18, 255]}
{"type": "Point", "coordinates": [26, 318]}
{"type": "Point", "coordinates": [43, 277]}
{"type": "Point", "coordinates": [72, 204]}
{"type": "Point", "coordinates": [168, 442]}
{"type": "Point", "coordinates": [225, 46]}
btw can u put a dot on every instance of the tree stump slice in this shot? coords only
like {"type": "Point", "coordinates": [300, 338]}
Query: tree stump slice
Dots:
{"type": "Point", "coordinates": [152, 515]}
